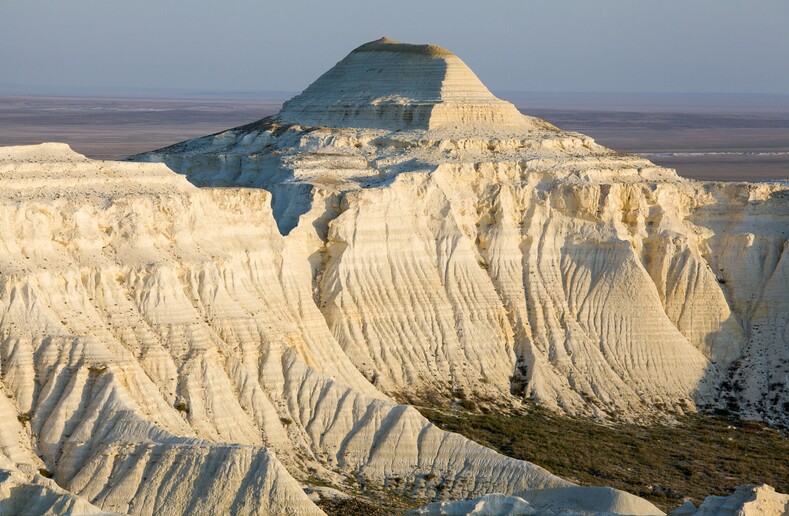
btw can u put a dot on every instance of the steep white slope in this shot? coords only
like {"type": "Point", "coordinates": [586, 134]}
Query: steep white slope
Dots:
{"type": "Point", "coordinates": [91, 300]}
{"type": "Point", "coordinates": [578, 277]}
{"type": "Point", "coordinates": [25, 486]}
{"type": "Point", "coordinates": [30, 493]}
{"type": "Point", "coordinates": [165, 354]}
{"type": "Point", "coordinates": [498, 261]}
{"type": "Point", "coordinates": [173, 349]}
{"type": "Point", "coordinates": [749, 253]}
{"type": "Point", "coordinates": [440, 286]}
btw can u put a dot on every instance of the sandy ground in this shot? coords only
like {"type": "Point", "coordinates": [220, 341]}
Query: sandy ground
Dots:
{"type": "Point", "coordinates": [719, 137]}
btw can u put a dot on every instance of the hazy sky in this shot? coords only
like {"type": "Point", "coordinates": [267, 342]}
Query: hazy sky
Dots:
{"type": "Point", "coordinates": [256, 46]}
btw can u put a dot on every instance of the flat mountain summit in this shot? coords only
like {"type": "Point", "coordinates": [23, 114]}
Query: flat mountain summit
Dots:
{"type": "Point", "coordinates": [235, 322]}
{"type": "Point", "coordinates": [391, 85]}
{"type": "Point", "coordinates": [516, 260]}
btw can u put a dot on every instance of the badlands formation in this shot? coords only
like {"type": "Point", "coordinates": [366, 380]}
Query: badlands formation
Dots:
{"type": "Point", "coordinates": [217, 338]}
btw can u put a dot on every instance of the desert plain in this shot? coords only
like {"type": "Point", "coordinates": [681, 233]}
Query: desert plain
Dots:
{"type": "Point", "coordinates": [723, 137]}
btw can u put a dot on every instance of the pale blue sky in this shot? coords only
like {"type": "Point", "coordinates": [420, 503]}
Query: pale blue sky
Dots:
{"type": "Point", "coordinates": [257, 46]}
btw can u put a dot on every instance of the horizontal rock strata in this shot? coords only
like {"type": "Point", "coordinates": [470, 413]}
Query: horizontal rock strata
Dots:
{"type": "Point", "coordinates": [216, 340]}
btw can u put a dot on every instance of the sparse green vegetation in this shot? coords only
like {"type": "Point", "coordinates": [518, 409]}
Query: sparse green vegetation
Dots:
{"type": "Point", "coordinates": [363, 498]}
{"type": "Point", "coordinates": [467, 404]}
{"type": "Point", "coordinates": [699, 456]}
{"type": "Point", "coordinates": [375, 502]}
{"type": "Point", "coordinates": [355, 506]}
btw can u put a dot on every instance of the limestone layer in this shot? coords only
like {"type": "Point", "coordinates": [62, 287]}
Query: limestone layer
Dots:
{"type": "Point", "coordinates": [162, 353]}
{"type": "Point", "coordinates": [393, 85]}
{"type": "Point", "coordinates": [215, 343]}
{"type": "Point", "coordinates": [494, 267]}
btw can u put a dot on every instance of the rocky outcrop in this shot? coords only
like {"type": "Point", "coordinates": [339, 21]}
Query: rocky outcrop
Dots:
{"type": "Point", "coordinates": [213, 343]}
{"type": "Point", "coordinates": [587, 500]}
{"type": "Point", "coordinates": [390, 85]}
{"type": "Point", "coordinates": [162, 352]}
{"type": "Point", "coordinates": [568, 501]}
{"type": "Point", "coordinates": [488, 505]}
{"type": "Point", "coordinates": [30, 493]}
{"type": "Point", "coordinates": [490, 263]}
{"type": "Point", "coordinates": [745, 501]}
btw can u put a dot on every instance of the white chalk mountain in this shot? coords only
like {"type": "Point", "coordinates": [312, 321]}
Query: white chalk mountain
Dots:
{"type": "Point", "coordinates": [459, 249]}
{"type": "Point", "coordinates": [213, 342]}
{"type": "Point", "coordinates": [162, 353]}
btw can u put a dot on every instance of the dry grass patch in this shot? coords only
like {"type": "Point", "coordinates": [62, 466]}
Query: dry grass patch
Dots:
{"type": "Point", "coordinates": [699, 456]}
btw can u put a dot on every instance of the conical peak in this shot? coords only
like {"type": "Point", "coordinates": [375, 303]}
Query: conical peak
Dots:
{"type": "Point", "coordinates": [389, 85]}
{"type": "Point", "coordinates": [392, 45]}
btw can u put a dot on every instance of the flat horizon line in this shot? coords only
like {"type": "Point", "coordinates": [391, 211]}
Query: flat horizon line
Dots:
{"type": "Point", "coordinates": [14, 90]}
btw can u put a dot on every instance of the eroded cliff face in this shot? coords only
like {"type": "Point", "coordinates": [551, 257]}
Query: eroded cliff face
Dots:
{"type": "Point", "coordinates": [162, 352]}
{"type": "Point", "coordinates": [209, 342]}
{"type": "Point", "coordinates": [493, 267]}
